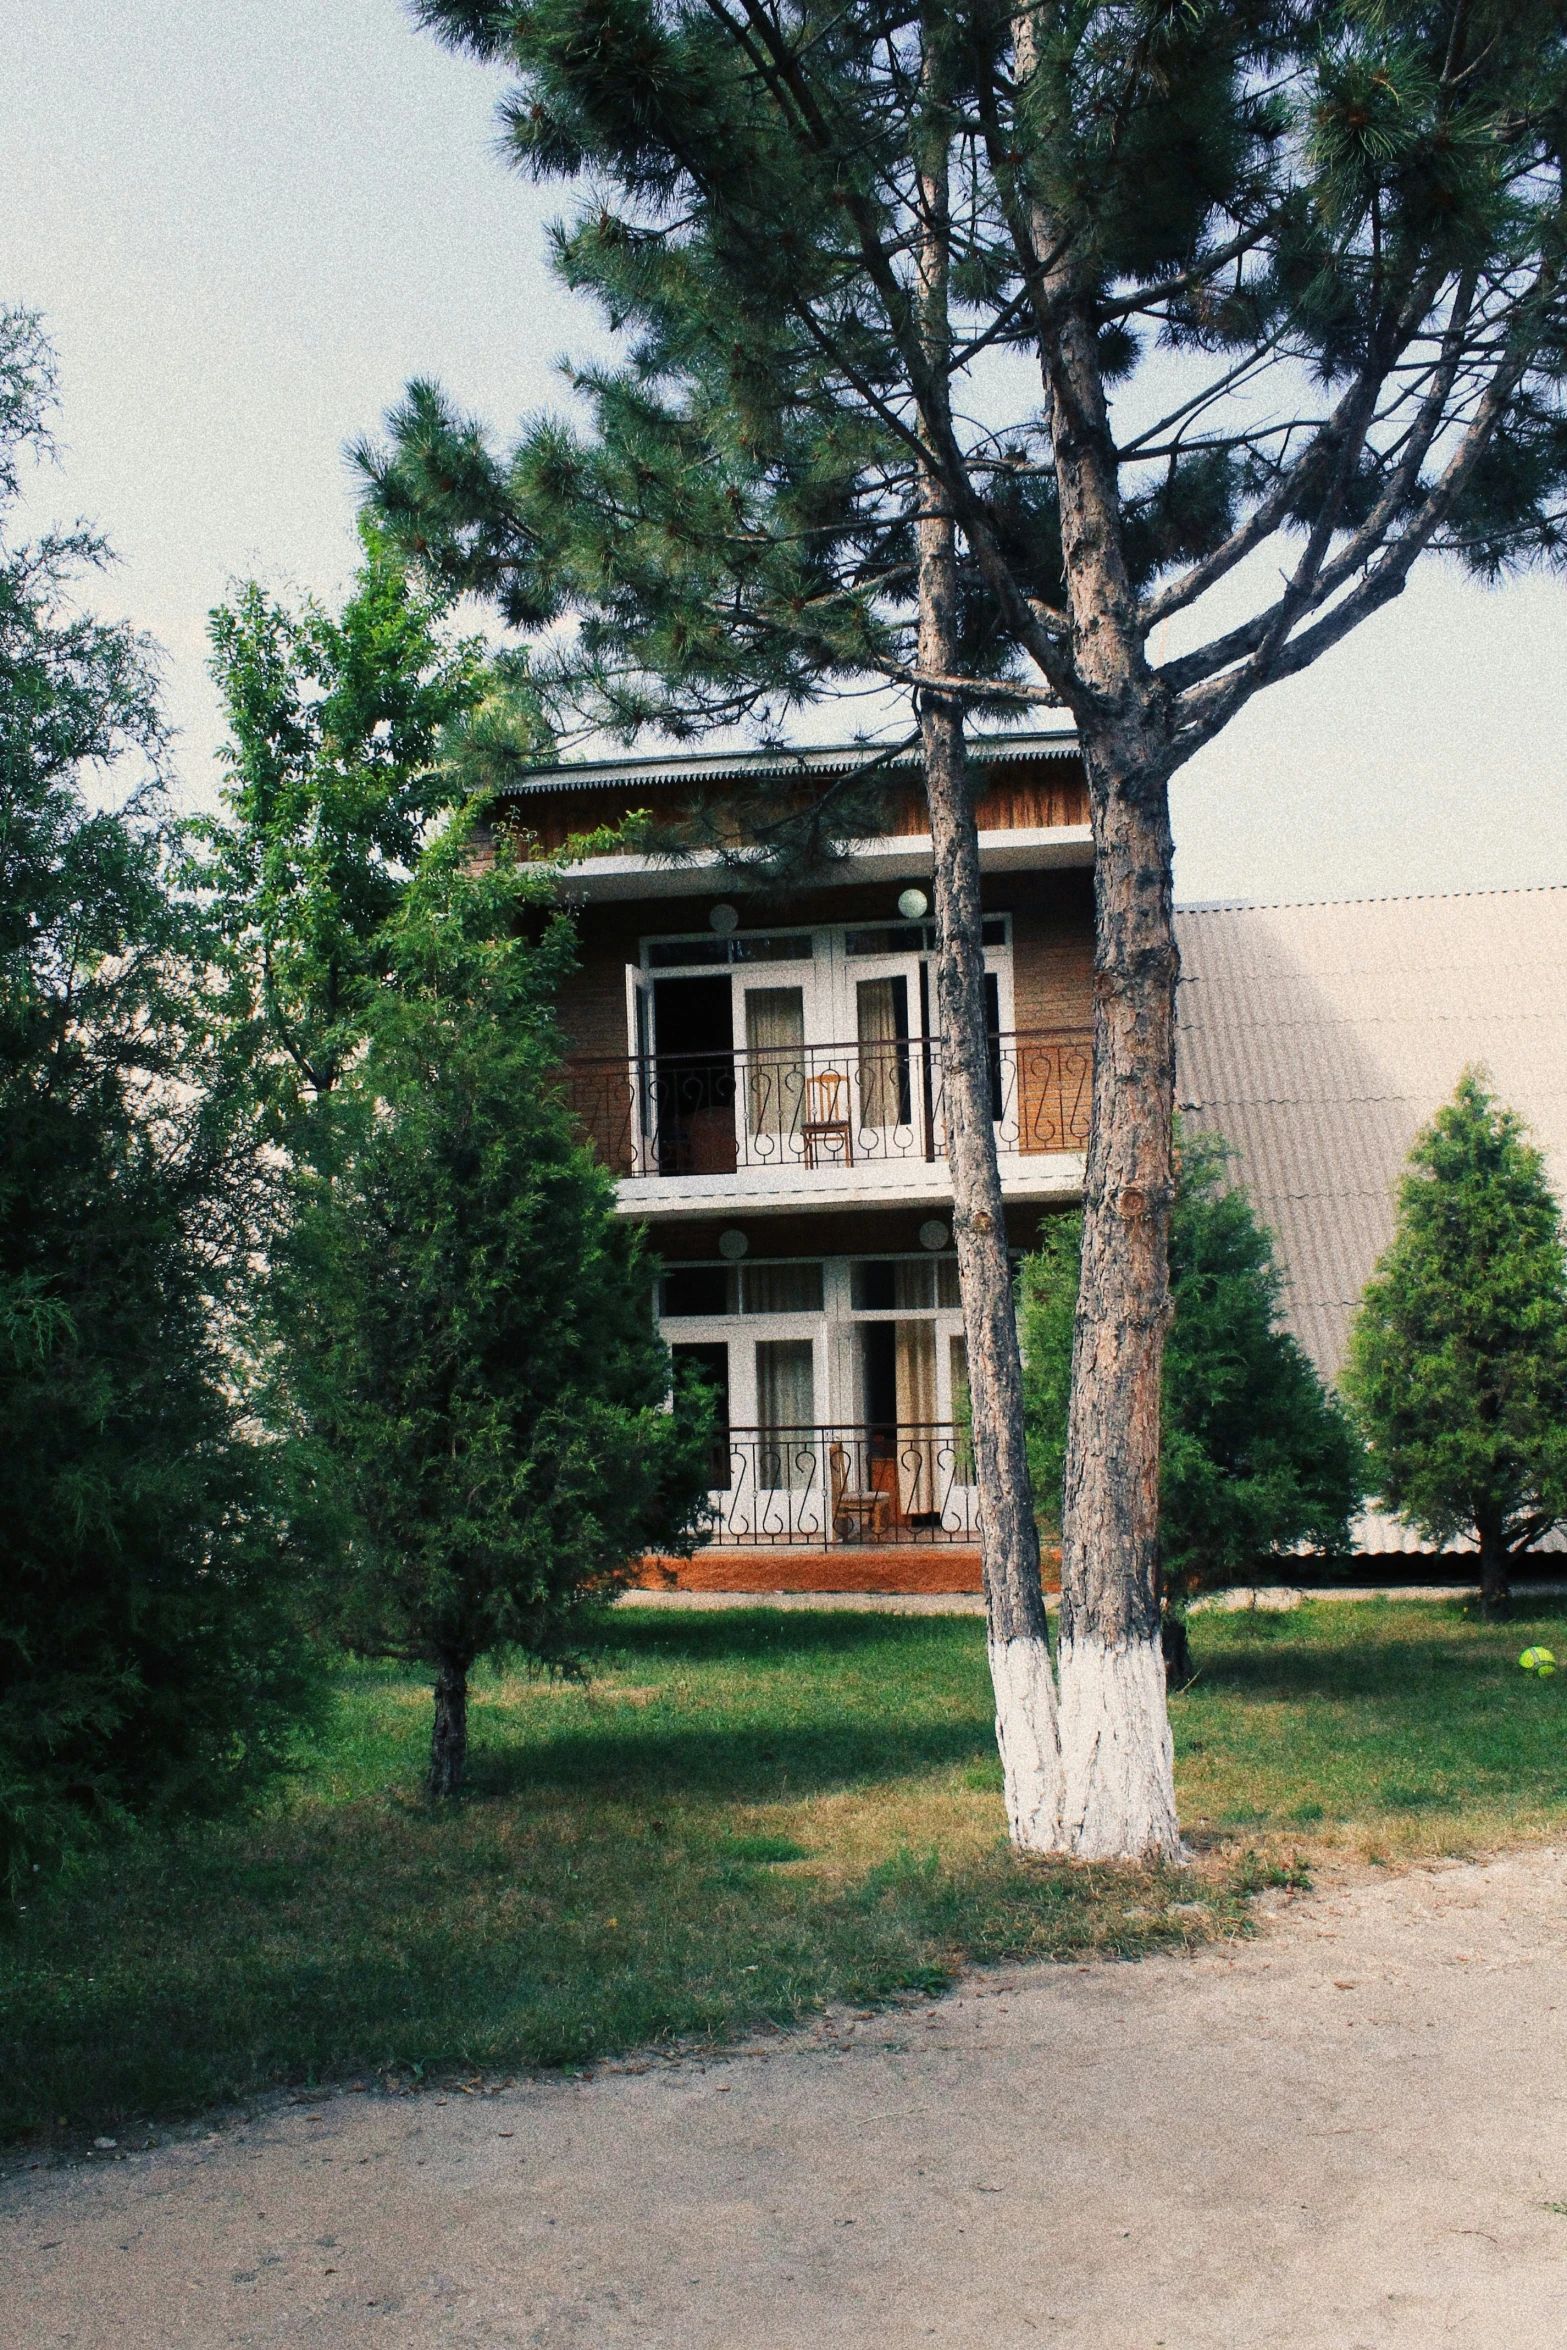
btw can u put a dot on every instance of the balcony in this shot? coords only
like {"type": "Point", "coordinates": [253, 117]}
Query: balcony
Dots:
{"type": "Point", "coordinates": [815, 1488]}
{"type": "Point", "coordinates": [851, 1120]}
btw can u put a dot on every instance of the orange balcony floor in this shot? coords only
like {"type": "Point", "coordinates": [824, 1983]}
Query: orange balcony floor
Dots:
{"type": "Point", "coordinates": [881, 1566]}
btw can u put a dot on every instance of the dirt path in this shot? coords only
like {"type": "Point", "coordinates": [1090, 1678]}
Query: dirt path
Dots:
{"type": "Point", "coordinates": [1349, 2133]}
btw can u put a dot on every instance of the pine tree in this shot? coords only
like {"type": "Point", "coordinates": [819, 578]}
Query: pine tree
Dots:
{"type": "Point", "coordinates": [1458, 1357]}
{"type": "Point", "coordinates": [151, 1658]}
{"type": "Point", "coordinates": [471, 1363]}
{"type": "Point", "coordinates": [963, 347]}
{"type": "Point", "coordinates": [1256, 1458]}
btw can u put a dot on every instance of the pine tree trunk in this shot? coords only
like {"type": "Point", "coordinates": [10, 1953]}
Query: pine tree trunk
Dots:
{"type": "Point", "coordinates": [1118, 1794]}
{"type": "Point", "coordinates": [1026, 1729]}
{"type": "Point", "coordinates": [449, 1737]}
{"type": "Point", "coordinates": [1020, 1666]}
{"type": "Point", "coordinates": [1495, 1583]}
{"type": "Point", "coordinates": [1117, 1752]}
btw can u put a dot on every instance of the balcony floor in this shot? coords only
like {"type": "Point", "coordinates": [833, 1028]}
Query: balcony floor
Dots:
{"type": "Point", "coordinates": [895, 1567]}
{"type": "Point", "coordinates": [761, 1191]}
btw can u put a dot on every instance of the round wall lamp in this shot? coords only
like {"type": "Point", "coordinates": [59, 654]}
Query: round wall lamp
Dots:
{"type": "Point", "coordinates": [932, 1235]}
{"type": "Point", "coordinates": [913, 905]}
{"type": "Point", "coordinates": [732, 1246]}
{"type": "Point", "coordinates": [725, 920]}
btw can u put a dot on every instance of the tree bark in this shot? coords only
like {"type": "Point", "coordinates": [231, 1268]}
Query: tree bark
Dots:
{"type": "Point", "coordinates": [1117, 1752]}
{"type": "Point", "coordinates": [1026, 1725]}
{"type": "Point", "coordinates": [1020, 1666]}
{"type": "Point", "coordinates": [1495, 1584]}
{"type": "Point", "coordinates": [1118, 1793]}
{"type": "Point", "coordinates": [449, 1737]}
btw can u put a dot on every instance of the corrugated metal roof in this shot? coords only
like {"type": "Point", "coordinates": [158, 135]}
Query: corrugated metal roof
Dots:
{"type": "Point", "coordinates": [1318, 1039]}
{"type": "Point", "coordinates": [1001, 750]}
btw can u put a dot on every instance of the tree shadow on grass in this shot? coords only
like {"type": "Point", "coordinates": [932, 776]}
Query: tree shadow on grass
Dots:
{"type": "Point", "coordinates": [751, 1763]}
{"type": "Point", "coordinates": [1265, 1662]}
{"type": "Point", "coordinates": [711, 1636]}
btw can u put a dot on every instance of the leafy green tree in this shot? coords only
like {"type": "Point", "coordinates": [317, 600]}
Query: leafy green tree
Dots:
{"type": "Point", "coordinates": [1256, 1457]}
{"type": "Point", "coordinates": [961, 348]}
{"type": "Point", "coordinates": [471, 1353]}
{"type": "Point", "coordinates": [1458, 1357]}
{"type": "Point", "coordinates": [149, 1656]}
{"type": "Point", "coordinates": [350, 736]}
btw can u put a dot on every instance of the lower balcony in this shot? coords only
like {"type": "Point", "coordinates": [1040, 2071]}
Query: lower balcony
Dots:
{"type": "Point", "coordinates": [861, 1488]}
{"type": "Point", "coordinates": [855, 1121]}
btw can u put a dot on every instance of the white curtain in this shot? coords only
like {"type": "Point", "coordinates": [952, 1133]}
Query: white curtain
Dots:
{"type": "Point", "coordinates": [881, 1093]}
{"type": "Point", "coordinates": [915, 1360]}
{"type": "Point", "coordinates": [775, 1058]}
{"type": "Point", "coordinates": [786, 1411]}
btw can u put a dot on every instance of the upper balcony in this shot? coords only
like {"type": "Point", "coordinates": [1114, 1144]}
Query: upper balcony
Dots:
{"type": "Point", "coordinates": [861, 1123]}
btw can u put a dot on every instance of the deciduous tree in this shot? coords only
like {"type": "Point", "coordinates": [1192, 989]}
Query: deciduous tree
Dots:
{"type": "Point", "coordinates": [964, 346]}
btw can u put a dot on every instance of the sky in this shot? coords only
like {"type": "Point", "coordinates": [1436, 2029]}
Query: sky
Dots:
{"type": "Point", "coordinates": [248, 222]}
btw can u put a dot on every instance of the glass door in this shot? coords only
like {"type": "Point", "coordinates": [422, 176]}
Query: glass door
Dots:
{"type": "Point", "coordinates": [884, 1001]}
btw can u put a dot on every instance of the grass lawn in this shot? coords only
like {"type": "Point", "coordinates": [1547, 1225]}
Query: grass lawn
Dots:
{"type": "Point", "coordinates": [745, 1815]}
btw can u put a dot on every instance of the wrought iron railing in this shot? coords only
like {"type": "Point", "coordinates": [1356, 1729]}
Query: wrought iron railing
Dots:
{"type": "Point", "coordinates": [813, 1487]}
{"type": "Point", "coordinates": [823, 1105]}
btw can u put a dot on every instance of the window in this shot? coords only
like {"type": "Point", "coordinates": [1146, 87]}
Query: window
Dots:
{"type": "Point", "coordinates": [699, 1289]}
{"type": "Point", "coordinates": [775, 1065]}
{"type": "Point", "coordinates": [786, 1413]}
{"type": "Point", "coordinates": [904, 1285]}
{"type": "Point", "coordinates": [882, 1015]}
{"type": "Point", "coordinates": [781, 1289]}
{"type": "Point", "coordinates": [673, 954]}
{"type": "Point", "coordinates": [916, 938]}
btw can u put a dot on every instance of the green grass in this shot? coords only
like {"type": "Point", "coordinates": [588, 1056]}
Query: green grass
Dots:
{"type": "Point", "coordinates": [744, 1816]}
{"type": "Point", "coordinates": [1382, 1730]}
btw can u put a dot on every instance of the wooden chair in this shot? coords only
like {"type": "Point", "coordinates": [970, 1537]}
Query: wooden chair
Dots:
{"type": "Point", "coordinates": [857, 1515]}
{"type": "Point", "coordinates": [826, 1121]}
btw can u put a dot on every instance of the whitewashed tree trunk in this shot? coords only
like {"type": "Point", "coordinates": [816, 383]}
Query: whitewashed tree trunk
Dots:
{"type": "Point", "coordinates": [1118, 1794]}
{"type": "Point", "coordinates": [1119, 1789]}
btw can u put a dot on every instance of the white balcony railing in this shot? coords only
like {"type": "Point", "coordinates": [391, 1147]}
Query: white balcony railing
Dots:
{"type": "Point", "coordinates": [819, 1486]}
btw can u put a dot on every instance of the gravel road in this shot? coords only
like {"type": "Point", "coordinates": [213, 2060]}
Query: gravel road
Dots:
{"type": "Point", "coordinates": [1350, 2132]}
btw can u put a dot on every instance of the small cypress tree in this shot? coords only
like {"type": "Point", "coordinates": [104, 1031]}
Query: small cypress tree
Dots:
{"type": "Point", "coordinates": [1458, 1357]}
{"type": "Point", "coordinates": [471, 1357]}
{"type": "Point", "coordinates": [1256, 1457]}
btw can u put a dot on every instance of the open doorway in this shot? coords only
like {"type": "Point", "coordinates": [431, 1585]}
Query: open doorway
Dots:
{"type": "Point", "coordinates": [694, 1075]}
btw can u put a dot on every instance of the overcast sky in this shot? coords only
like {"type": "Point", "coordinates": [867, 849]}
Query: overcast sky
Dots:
{"type": "Point", "coordinates": [247, 222]}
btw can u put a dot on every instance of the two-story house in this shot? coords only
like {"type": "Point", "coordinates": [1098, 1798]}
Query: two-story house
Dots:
{"type": "Point", "coordinates": [764, 1074]}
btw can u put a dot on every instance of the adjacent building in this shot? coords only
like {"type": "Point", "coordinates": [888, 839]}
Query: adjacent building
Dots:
{"type": "Point", "coordinates": [1318, 1039]}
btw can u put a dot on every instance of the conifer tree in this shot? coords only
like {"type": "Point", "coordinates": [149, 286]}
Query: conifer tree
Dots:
{"type": "Point", "coordinates": [1458, 1357]}
{"type": "Point", "coordinates": [151, 1652]}
{"type": "Point", "coordinates": [470, 1357]}
{"type": "Point", "coordinates": [1256, 1457]}
{"type": "Point", "coordinates": [963, 347]}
